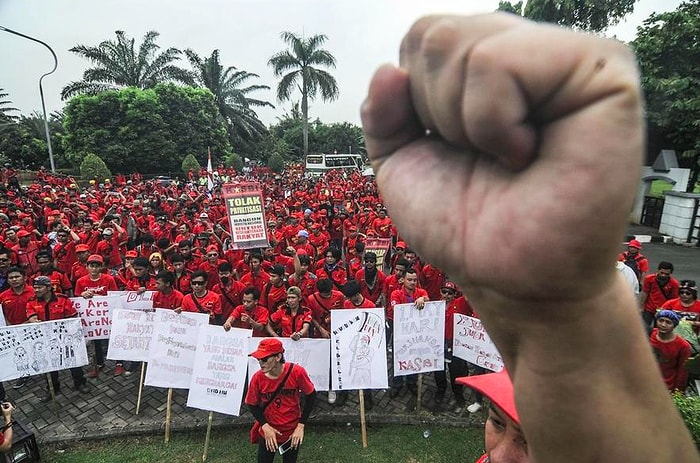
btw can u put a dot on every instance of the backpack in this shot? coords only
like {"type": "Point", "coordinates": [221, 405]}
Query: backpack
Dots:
{"type": "Point", "coordinates": [633, 262]}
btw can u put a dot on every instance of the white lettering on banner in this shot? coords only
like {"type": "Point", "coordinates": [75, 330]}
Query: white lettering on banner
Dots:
{"type": "Point", "coordinates": [419, 338]}
{"type": "Point", "coordinates": [473, 344]}
{"type": "Point", "coordinates": [95, 314]}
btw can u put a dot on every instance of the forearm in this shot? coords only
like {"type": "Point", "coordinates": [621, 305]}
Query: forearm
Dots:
{"type": "Point", "coordinates": [309, 404]}
{"type": "Point", "coordinates": [555, 353]}
{"type": "Point", "coordinates": [258, 413]}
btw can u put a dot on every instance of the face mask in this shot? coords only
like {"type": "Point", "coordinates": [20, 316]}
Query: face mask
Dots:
{"type": "Point", "coordinates": [225, 280]}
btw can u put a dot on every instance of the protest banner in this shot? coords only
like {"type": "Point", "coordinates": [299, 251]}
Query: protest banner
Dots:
{"type": "Point", "coordinates": [172, 348]}
{"type": "Point", "coordinates": [96, 314]}
{"type": "Point", "coordinates": [419, 338]}
{"type": "Point", "coordinates": [131, 335]}
{"type": "Point", "coordinates": [312, 354]}
{"type": "Point", "coordinates": [36, 348]}
{"type": "Point", "coordinates": [135, 301]}
{"type": "Point", "coordinates": [473, 344]}
{"type": "Point", "coordinates": [358, 357]}
{"type": "Point", "coordinates": [2, 317]}
{"type": "Point", "coordinates": [218, 374]}
{"type": "Point", "coordinates": [379, 246]}
{"type": "Point", "coordinates": [246, 215]}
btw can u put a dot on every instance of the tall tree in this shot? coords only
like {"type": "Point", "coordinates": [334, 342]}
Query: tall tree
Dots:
{"type": "Point", "coordinates": [231, 92]}
{"type": "Point", "coordinates": [119, 64]}
{"type": "Point", "coordinates": [299, 68]}
{"type": "Point", "coordinates": [594, 16]}
{"type": "Point", "coordinates": [668, 49]}
{"type": "Point", "coordinates": [5, 108]}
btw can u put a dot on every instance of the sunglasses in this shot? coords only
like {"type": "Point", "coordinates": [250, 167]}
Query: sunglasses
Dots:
{"type": "Point", "coordinates": [197, 283]}
{"type": "Point", "coordinates": [446, 291]}
{"type": "Point", "coordinates": [213, 254]}
{"type": "Point", "coordinates": [686, 293]}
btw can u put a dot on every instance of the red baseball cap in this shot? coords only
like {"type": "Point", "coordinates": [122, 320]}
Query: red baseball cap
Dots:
{"type": "Point", "coordinates": [82, 248]}
{"type": "Point", "coordinates": [95, 258]}
{"type": "Point", "coordinates": [634, 244]}
{"type": "Point", "coordinates": [268, 347]}
{"type": "Point", "coordinates": [497, 387]}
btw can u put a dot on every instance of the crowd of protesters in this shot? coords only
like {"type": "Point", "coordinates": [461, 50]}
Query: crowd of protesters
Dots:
{"type": "Point", "coordinates": [173, 237]}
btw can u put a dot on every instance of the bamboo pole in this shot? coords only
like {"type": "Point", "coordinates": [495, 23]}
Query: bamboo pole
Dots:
{"type": "Point", "coordinates": [419, 395]}
{"type": "Point", "coordinates": [138, 399]}
{"type": "Point", "coordinates": [206, 439]}
{"type": "Point", "coordinates": [168, 414]}
{"type": "Point", "coordinates": [363, 422]}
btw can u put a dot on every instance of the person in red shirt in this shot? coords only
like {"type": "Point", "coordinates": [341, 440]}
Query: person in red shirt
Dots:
{"type": "Point", "coordinates": [301, 277]}
{"type": "Point", "coordinates": [671, 350]}
{"type": "Point", "coordinates": [432, 280]}
{"type": "Point", "coordinates": [139, 280]}
{"type": "Point", "coordinates": [286, 419]}
{"type": "Point", "coordinates": [64, 252]}
{"type": "Point", "coordinates": [686, 302]}
{"type": "Point", "coordinates": [354, 299]}
{"type": "Point", "coordinates": [79, 267]}
{"type": "Point", "coordinates": [332, 269]}
{"type": "Point", "coordinates": [275, 292]}
{"type": "Point", "coordinates": [635, 260]}
{"type": "Point", "coordinates": [249, 314]}
{"type": "Point", "coordinates": [231, 290]}
{"type": "Point", "coordinates": [321, 303]}
{"type": "Point", "coordinates": [408, 293]}
{"type": "Point", "coordinates": [14, 299]}
{"type": "Point", "coordinates": [256, 276]}
{"type": "Point", "coordinates": [57, 307]}
{"type": "Point", "coordinates": [109, 246]}
{"type": "Point", "coordinates": [202, 300]}
{"type": "Point", "coordinates": [182, 274]}
{"type": "Point", "coordinates": [211, 265]}
{"type": "Point", "coordinates": [61, 283]}
{"type": "Point", "coordinates": [391, 284]}
{"type": "Point", "coordinates": [371, 279]}
{"type": "Point", "coordinates": [382, 225]}
{"type": "Point", "coordinates": [657, 289]}
{"type": "Point", "coordinates": [292, 320]}
{"type": "Point", "coordinates": [167, 297]}
{"type": "Point", "coordinates": [26, 250]}
{"type": "Point", "coordinates": [191, 260]}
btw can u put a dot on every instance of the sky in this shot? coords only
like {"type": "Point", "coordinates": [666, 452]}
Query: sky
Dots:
{"type": "Point", "coordinates": [362, 35]}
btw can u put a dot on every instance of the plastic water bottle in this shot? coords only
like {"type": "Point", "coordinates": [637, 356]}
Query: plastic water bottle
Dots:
{"type": "Point", "coordinates": [427, 433]}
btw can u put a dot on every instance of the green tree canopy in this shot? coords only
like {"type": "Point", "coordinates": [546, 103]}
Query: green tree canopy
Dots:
{"type": "Point", "coordinates": [590, 15]}
{"type": "Point", "coordinates": [6, 109]}
{"type": "Point", "coordinates": [275, 163]}
{"type": "Point", "coordinates": [299, 67]}
{"type": "Point", "coordinates": [149, 131]}
{"type": "Point", "coordinates": [190, 163]}
{"type": "Point", "coordinates": [231, 91]}
{"type": "Point", "coordinates": [94, 168]}
{"type": "Point", "coordinates": [119, 64]}
{"type": "Point", "coordinates": [23, 141]}
{"type": "Point", "coordinates": [668, 49]}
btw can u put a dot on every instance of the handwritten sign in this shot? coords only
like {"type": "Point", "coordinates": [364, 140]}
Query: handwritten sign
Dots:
{"type": "Point", "coordinates": [173, 348]}
{"type": "Point", "coordinates": [135, 301]}
{"type": "Point", "coordinates": [473, 344]}
{"type": "Point", "coordinates": [358, 352]}
{"type": "Point", "coordinates": [218, 374]}
{"type": "Point", "coordinates": [379, 246]}
{"type": "Point", "coordinates": [2, 317]}
{"type": "Point", "coordinates": [36, 348]}
{"type": "Point", "coordinates": [312, 354]}
{"type": "Point", "coordinates": [131, 335]}
{"type": "Point", "coordinates": [95, 314]}
{"type": "Point", "coordinates": [419, 338]}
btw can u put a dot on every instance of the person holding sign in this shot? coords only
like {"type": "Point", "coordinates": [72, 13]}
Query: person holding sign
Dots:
{"type": "Point", "coordinates": [274, 399]}
{"type": "Point", "coordinates": [528, 139]}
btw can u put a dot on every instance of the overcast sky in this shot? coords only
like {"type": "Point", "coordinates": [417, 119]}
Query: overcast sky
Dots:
{"type": "Point", "coordinates": [362, 34]}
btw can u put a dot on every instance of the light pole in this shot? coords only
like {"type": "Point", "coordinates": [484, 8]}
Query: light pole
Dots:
{"type": "Point", "coordinates": [41, 90]}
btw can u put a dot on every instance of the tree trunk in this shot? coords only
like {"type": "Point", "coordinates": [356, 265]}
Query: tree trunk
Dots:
{"type": "Point", "coordinates": [305, 120]}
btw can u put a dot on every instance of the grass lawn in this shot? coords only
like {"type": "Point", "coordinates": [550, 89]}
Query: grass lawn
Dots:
{"type": "Point", "coordinates": [389, 443]}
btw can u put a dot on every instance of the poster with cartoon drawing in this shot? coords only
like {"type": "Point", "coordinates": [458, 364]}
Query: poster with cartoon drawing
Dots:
{"type": "Point", "coordinates": [358, 349]}
{"type": "Point", "coordinates": [419, 338]}
{"type": "Point", "coordinates": [37, 348]}
{"type": "Point", "coordinates": [312, 354]}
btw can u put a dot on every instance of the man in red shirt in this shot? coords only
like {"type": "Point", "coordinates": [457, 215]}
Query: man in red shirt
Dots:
{"type": "Point", "coordinates": [211, 265]}
{"type": "Point", "coordinates": [61, 283]}
{"type": "Point", "coordinates": [256, 276]}
{"type": "Point", "coordinates": [57, 307]}
{"type": "Point", "coordinates": [167, 297]}
{"type": "Point", "coordinates": [657, 289]}
{"type": "Point", "coordinates": [64, 251]}
{"type": "Point", "coordinates": [202, 300]}
{"type": "Point", "coordinates": [26, 251]}
{"type": "Point", "coordinates": [301, 277]}
{"type": "Point", "coordinates": [635, 260]}
{"type": "Point", "coordinates": [332, 269]}
{"type": "Point", "coordinates": [275, 291]}
{"type": "Point", "coordinates": [408, 293]}
{"type": "Point", "coordinates": [249, 314]}
{"type": "Point", "coordinates": [371, 280]}
{"type": "Point", "coordinates": [292, 320]}
{"type": "Point", "coordinates": [686, 302]}
{"type": "Point", "coordinates": [231, 290]}
{"type": "Point", "coordinates": [325, 299]}
{"type": "Point", "coordinates": [14, 304]}
{"type": "Point", "coordinates": [79, 267]}
{"type": "Point", "coordinates": [670, 350]}
{"type": "Point", "coordinates": [182, 275]}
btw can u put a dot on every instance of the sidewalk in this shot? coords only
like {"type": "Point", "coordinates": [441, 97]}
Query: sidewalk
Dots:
{"type": "Point", "coordinates": [109, 409]}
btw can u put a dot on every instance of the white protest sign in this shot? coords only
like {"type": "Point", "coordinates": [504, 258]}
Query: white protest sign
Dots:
{"type": "Point", "coordinates": [473, 344]}
{"type": "Point", "coordinates": [312, 354]}
{"type": "Point", "coordinates": [133, 300]}
{"type": "Point", "coordinates": [36, 348]}
{"type": "Point", "coordinates": [131, 335]}
{"type": "Point", "coordinates": [95, 313]}
{"type": "Point", "coordinates": [358, 353]}
{"type": "Point", "coordinates": [2, 317]}
{"type": "Point", "coordinates": [419, 338]}
{"type": "Point", "coordinates": [173, 347]}
{"type": "Point", "coordinates": [218, 374]}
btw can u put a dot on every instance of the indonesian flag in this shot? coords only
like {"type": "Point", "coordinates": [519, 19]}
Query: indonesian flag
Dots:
{"type": "Point", "coordinates": [210, 172]}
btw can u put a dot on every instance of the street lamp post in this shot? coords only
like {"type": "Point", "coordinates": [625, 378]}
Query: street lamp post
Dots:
{"type": "Point", "coordinates": [41, 90]}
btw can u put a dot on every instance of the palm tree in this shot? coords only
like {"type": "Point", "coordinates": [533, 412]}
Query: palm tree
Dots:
{"type": "Point", "coordinates": [300, 61]}
{"type": "Point", "coordinates": [231, 90]}
{"type": "Point", "coordinates": [118, 64]}
{"type": "Point", "coordinates": [5, 107]}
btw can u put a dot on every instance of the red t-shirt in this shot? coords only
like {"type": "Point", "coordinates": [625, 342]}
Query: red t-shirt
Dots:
{"type": "Point", "coordinates": [321, 306]}
{"type": "Point", "coordinates": [291, 323]}
{"type": "Point", "coordinates": [671, 357]}
{"type": "Point", "coordinates": [259, 314]}
{"type": "Point", "coordinates": [210, 303]}
{"type": "Point", "coordinates": [366, 304]}
{"type": "Point", "coordinates": [168, 301]}
{"type": "Point", "coordinates": [230, 297]}
{"type": "Point", "coordinates": [458, 305]}
{"type": "Point", "coordinates": [285, 413]}
{"type": "Point", "coordinates": [59, 307]}
{"type": "Point", "coordinates": [401, 296]}
{"type": "Point", "coordinates": [656, 295]}
{"type": "Point", "coordinates": [100, 286]}
{"type": "Point", "coordinates": [273, 296]}
{"type": "Point", "coordinates": [374, 290]}
{"type": "Point", "coordinates": [14, 305]}
{"type": "Point", "coordinates": [257, 281]}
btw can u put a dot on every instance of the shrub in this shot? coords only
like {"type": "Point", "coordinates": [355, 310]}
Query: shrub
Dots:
{"type": "Point", "coordinates": [690, 411]}
{"type": "Point", "coordinates": [275, 163]}
{"type": "Point", "coordinates": [93, 167]}
{"type": "Point", "coordinates": [190, 162]}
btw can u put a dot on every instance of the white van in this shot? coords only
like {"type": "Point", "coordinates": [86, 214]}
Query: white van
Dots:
{"type": "Point", "coordinates": [317, 164]}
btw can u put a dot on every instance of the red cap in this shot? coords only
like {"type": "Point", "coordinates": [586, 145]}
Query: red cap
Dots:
{"type": "Point", "coordinates": [497, 387]}
{"type": "Point", "coordinates": [82, 248]}
{"type": "Point", "coordinates": [634, 244]}
{"type": "Point", "coordinates": [450, 285]}
{"type": "Point", "coordinates": [131, 254]}
{"type": "Point", "coordinates": [268, 347]}
{"type": "Point", "coordinates": [401, 244]}
{"type": "Point", "coordinates": [23, 233]}
{"type": "Point", "coordinates": [95, 258]}
{"type": "Point", "coordinates": [212, 248]}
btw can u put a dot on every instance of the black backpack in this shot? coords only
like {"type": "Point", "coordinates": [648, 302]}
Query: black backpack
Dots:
{"type": "Point", "coordinates": [633, 263]}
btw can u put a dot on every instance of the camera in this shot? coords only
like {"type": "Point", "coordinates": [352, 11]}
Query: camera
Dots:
{"type": "Point", "coordinates": [6, 405]}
